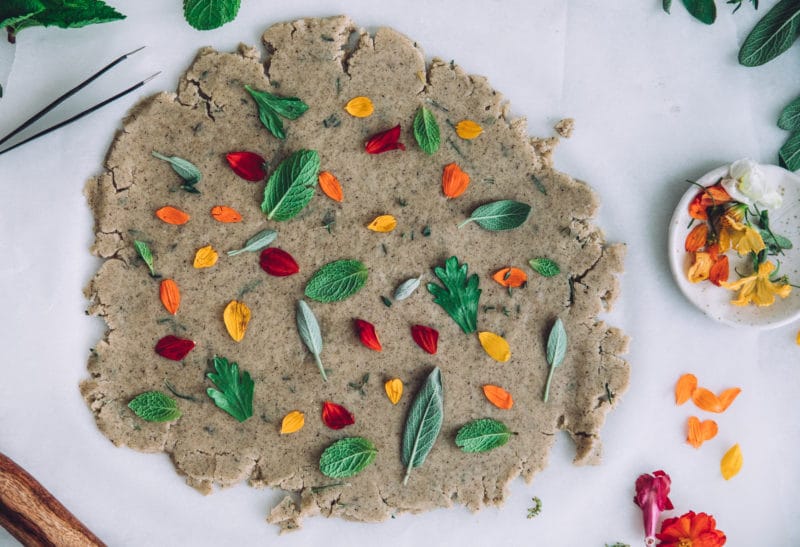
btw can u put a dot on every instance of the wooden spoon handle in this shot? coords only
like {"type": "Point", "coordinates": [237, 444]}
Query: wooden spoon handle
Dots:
{"type": "Point", "coordinates": [32, 515]}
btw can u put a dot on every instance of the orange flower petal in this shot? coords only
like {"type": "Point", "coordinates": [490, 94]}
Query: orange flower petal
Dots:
{"type": "Point", "coordinates": [222, 213]}
{"type": "Point", "coordinates": [172, 215]}
{"type": "Point", "coordinates": [696, 239]}
{"type": "Point", "coordinates": [511, 277]}
{"type": "Point", "coordinates": [699, 432]}
{"type": "Point", "coordinates": [720, 271]}
{"type": "Point", "coordinates": [684, 388]}
{"type": "Point", "coordinates": [330, 186]}
{"type": "Point", "coordinates": [170, 295]}
{"type": "Point", "coordinates": [498, 396]}
{"type": "Point", "coordinates": [706, 400]}
{"type": "Point", "coordinates": [454, 180]}
{"type": "Point", "coordinates": [728, 396]}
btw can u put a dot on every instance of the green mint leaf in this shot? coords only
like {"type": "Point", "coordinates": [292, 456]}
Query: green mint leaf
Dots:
{"type": "Point", "coordinates": [482, 435]}
{"type": "Point", "coordinates": [337, 280]}
{"type": "Point", "coordinates": [59, 13]}
{"type": "Point", "coordinates": [505, 214]}
{"type": "Point", "coordinates": [789, 153]}
{"type": "Point", "coordinates": [13, 12]}
{"type": "Point", "coordinates": [185, 169]}
{"type": "Point", "coordinates": [459, 297]}
{"type": "Point", "coordinates": [209, 14]}
{"type": "Point", "coordinates": [146, 254]}
{"type": "Point", "coordinates": [426, 131]}
{"type": "Point", "coordinates": [666, 5]}
{"type": "Point", "coordinates": [271, 107]}
{"type": "Point", "coordinates": [544, 266]}
{"type": "Point", "coordinates": [407, 288]}
{"type": "Point", "coordinates": [154, 406]}
{"type": "Point", "coordinates": [310, 334]}
{"type": "Point", "coordinates": [557, 344]}
{"type": "Point", "coordinates": [772, 35]}
{"type": "Point", "coordinates": [347, 457]}
{"type": "Point", "coordinates": [423, 423]}
{"type": "Point", "coordinates": [291, 186]}
{"type": "Point", "coordinates": [703, 10]}
{"type": "Point", "coordinates": [258, 242]}
{"type": "Point", "coordinates": [790, 117]}
{"type": "Point", "coordinates": [234, 393]}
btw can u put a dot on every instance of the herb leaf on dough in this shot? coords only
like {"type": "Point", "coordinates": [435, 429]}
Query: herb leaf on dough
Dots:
{"type": "Point", "coordinates": [210, 14]}
{"type": "Point", "coordinates": [459, 296]}
{"type": "Point", "coordinates": [291, 186]}
{"type": "Point", "coordinates": [234, 393]}
{"type": "Point", "coordinates": [423, 423]}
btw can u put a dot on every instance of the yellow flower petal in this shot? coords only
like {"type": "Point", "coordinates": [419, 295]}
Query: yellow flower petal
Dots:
{"type": "Point", "coordinates": [294, 421]}
{"type": "Point", "coordinates": [205, 257]}
{"type": "Point", "coordinates": [360, 107]}
{"type": "Point", "coordinates": [758, 288]}
{"type": "Point", "coordinates": [495, 346]}
{"type": "Point", "coordinates": [468, 130]}
{"type": "Point", "coordinates": [731, 462]}
{"type": "Point", "coordinates": [236, 317]}
{"type": "Point", "coordinates": [394, 389]}
{"type": "Point", "coordinates": [383, 223]}
{"type": "Point", "coordinates": [700, 270]}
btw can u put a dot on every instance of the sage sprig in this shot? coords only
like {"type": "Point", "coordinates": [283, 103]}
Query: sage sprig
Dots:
{"type": "Point", "coordinates": [291, 186]}
{"type": "Point", "coordinates": [347, 457]}
{"type": "Point", "coordinates": [154, 406]}
{"type": "Point", "coordinates": [423, 423]}
{"type": "Point", "coordinates": [185, 169]}
{"type": "Point", "coordinates": [407, 288]}
{"type": "Point", "coordinates": [310, 333]}
{"type": "Point", "coordinates": [789, 154]}
{"type": "Point", "coordinates": [482, 435]}
{"type": "Point", "coordinates": [556, 351]}
{"type": "Point", "coordinates": [258, 242]}
{"type": "Point", "coordinates": [426, 131]}
{"type": "Point", "coordinates": [772, 35]}
{"type": "Point", "coordinates": [790, 116]}
{"type": "Point", "coordinates": [337, 280]}
{"type": "Point", "coordinates": [505, 214]}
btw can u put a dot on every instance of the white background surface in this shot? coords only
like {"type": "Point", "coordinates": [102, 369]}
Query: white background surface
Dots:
{"type": "Point", "coordinates": [657, 99]}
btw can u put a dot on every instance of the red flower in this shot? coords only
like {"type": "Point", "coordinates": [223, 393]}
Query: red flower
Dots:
{"type": "Point", "coordinates": [652, 496]}
{"type": "Point", "coordinates": [336, 416]}
{"type": "Point", "coordinates": [691, 530]}
{"type": "Point", "coordinates": [366, 332]}
{"type": "Point", "coordinates": [278, 262]}
{"type": "Point", "coordinates": [425, 337]}
{"type": "Point", "coordinates": [248, 165]}
{"type": "Point", "coordinates": [384, 141]}
{"type": "Point", "coordinates": [172, 347]}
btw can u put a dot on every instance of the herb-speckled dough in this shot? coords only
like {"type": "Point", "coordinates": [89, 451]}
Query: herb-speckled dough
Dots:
{"type": "Point", "coordinates": [212, 115]}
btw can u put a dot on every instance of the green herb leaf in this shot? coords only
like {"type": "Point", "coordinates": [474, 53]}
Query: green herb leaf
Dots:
{"type": "Point", "coordinates": [459, 297]}
{"type": "Point", "coordinates": [407, 288]}
{"type": "Point", "coordinates": [790, 117]}
{"type": "Point", "coordinates": [154, 406]}
{"type": "Point", "coordinates": [271, 107]}
{"type": "Point", "coordinates": [426, 131]}
{"type": "Point", "coordinates": [666, 5]}
{"type": "Point", "coordinates": [235, 393]}
{"type": "Point", "coordinates": [537, 503]}
{"type": "Point", "coordinates": [789, 153]}
{"type": "Point", "coordinates": [772, 35]}
{"type": "Point", "coordinates": [185, 169]}
{"type": "Point", "coordinates": [209, 14]}
{"type": "Point", "coordinates": [258, 242]}
{"type": "Point", "coordinates": [337, 280]}
{"type": "Point", "coordinates": [291, 186]}
{"type": "Point", "coordinates": [482, 435]}
{"type": "Point", "coordinates": [702, 10]}
{"type": "Point", "coordinates": [347, 457]}
{"type": "Point", "coordinates": [310, 333]}
{"type": "Point", "coordinates": [544, 266]}
{"type": "Point", "coordinates": [505, 214]}
{"type": "Point", "coordinates": [13, 12]}
{"type": "Point", "coordinates": [539, 184]}
{"type": "Point", "coordinates": [775, 242]}
{"type": "Point", "coordinates": [58, 13]}
{"type": "Point", "coordinates": [144, 252]}
{"type": "Point", "coordinates": [556, 351]}
{"type": "Point", "coordinates": [423, 423]}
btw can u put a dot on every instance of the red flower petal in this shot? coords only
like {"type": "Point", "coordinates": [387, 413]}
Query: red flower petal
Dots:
{"type": "Point", "coordinates": [336, 416]}
{"type": "Point", "coordinates": [366, 331]}
{"type": "Point", "coordinates": [425, 337]}
{"type": "Point", "coordinates": [278, 262]}
{"type": "Point", "coordinates": [720, 271]}
{"type": "Point", "coordinates": [384, 141]}
{"type": "Point", "coordinates": [174, 348]}
{"type": "Point", "coordinates": [248, 165]}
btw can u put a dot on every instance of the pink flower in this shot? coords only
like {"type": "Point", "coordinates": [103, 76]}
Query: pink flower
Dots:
{"type": "Point", "coordinates": [652, 496]}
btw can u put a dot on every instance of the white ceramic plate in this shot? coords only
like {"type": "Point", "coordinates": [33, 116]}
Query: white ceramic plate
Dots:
{"type": "Point", "coordinates": [716, 301]}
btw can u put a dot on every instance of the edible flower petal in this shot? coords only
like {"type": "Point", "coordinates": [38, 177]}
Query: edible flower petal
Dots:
{"type": "Point", "coordinates": [336, 416]}
{"type": "Point", "coordinates": [731, 462]}
{"type": "Point", "coordinates": [454, 180]}
{"type": "Point", "coordinates": [748, 183]}
{"type": "Point", "coordinates": [394, 389]}
{"type": "Point", "coordinates": [426, 338]}
{"type": "Point", "coordinates": [278, 262]}
{"type": "Point", "coordinates": [468, 129]}
{"type": "Point", "coordinates": [696, 239]}
{"type": "Point", "coordinates": [758, 288]}
{"type": "Point", "coordinates": [700, 270]}
{"type": "Point", "coordinates": [385, 141]}
{"type": "Point", "coordinates": [686, 385]}
{"type": "Point", "coordinates": [741, 237]}
{"type": "Point", "coordinates": [205, 257]}
{"type": "Point", "coordinates": [652, 497]}
{"type": "Point", "coordinates": [383, 224]}
{"type": "Point", "coordinates": [699, 432]}
{"type": "Point", "coordinates": [366, 332]}
{"type": "Point", "coordinates": [330, 185]}
{"type": "Point", "coordinates": [360, 107]}
{"type": "Point", "coordinates": [293, 422]}
{"type": "Point", "coordinates": [511, 277]}
{"type": "Point", "coordinates": [248, 165]}
{"type": "Point", "coordinates": [691, 530]}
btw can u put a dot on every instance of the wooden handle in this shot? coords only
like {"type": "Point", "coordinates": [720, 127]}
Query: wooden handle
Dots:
{"type": "Point", "coordinates": [33, 516]}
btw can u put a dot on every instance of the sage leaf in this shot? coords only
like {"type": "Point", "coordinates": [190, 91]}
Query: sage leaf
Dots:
{"type": "Point", "coordinates": [234, 393]}
{"type": "Point", "coordinates": [790, 117]}
{"type": "Point", "coordinates": [426, 131]}
{"type": "Point", "coordinates": [544, 266]}
{"type": "Point", "coordinates": [310, 333]}
{"type": "Point", "coordinates": [291, 186]}
{"type": "Point", "coordinates": [146, 255]}
{"type": "Point", "coordinates": [258, 242]}
{"type": "Point", "coordinates": [337, 280]}
{"type": "Point", "coordinates": [482, 435]}
{"type": "Point", "coordinates": [185, 169]}
{"type": "Point", "coordinates": [702, 10]}
{"type": "Point", "coordinates": [423, 423]}
{"type": "Point", "coordinates": [775, 242]}
{"type": "Point", "coordinates": [154, 406]}
{"type": "Point", "coordinates": [505, 214]}
{"type": "Point", "coordinates": [789, 153]}
{"type": "Point", "coordinates": [272, 107]}
{"type": "Point", "coordinates": [772, 35]}
{"type": "Point", "coordinates": [407, 288]}
{"type": "Point", "coordinates": [209, 14]}
{"type": "Point", "coordinates": [459, 296]}
{"type": "Point", "coordinates": [347, 457]}
{"type": "Point", "coordinates": [556, 351]}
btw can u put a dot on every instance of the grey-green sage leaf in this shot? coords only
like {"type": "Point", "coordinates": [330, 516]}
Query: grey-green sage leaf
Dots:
{"type": "Point", "coordinates": [482, 435]}
{"type": "Point", "coordinates": [310, 334]}
{"type": "Point", "coordinates": [500, 215]}
{"type": "Point", "coordinates": [185, 169]}
{"type": "Point", "coordinates": [291, 185]}
{"type": "Point", "coordinates": [258, 242]}
{"type": "Point", "coordinates": [347, 457]}
{"type": "Point", "coordinates": [772, 35]}
{"type": "Point", "coordinates": [423, 423]}
{"type": "Point", "coordinates": [556, 351]}
{"type": "Point", "coordinates": [407, 288]}
{"type": "Point", "coordinates": [789, 153]}
{"type": "Point", "coordinates": [336, 281]}
{"type": "Point", "coordinates": [154, 406]}
{"type": "Point", "coordinates": [790, 117]}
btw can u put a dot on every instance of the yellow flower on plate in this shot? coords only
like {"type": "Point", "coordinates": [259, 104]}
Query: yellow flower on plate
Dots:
{"type": "Point", "coordinates": [741, 237]}
{"type": "Point", "coordinates": [758, 288]}
{"type": "Point", "coordinates": [701, 269]}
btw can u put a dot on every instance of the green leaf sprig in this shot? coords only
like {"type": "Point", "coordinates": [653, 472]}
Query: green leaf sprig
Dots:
{"type": "Point", "coordinates": [426, 131]}
{"type": "Point", "coordinates": [556, 351]}
{"type": "Point", "coordinates": [146, 255]}
{"type": "Point", "coordinates": [185, 169]}
{"type": "Point", "coordinates": [337, 280]}
{"type": "Point", "coordinates": [209, 14]}
{"type": "Point", "coordinates": [310, 334]}
{"type": "Point", "coordinates": [459, 296]}
{"type": "Point", "coordinates": [505, 214]}
{"type": "Point", "coordinates": [258, 242]}
{"type": "Point", "coordinates": [544, 266]}
{"type": "Point", "coordinates": [482, 435]}
{"type": "Point", "coordinates": [705, 11]}
{"type": "Point", "coordinates": [423, 423]}
{"type": "Point", "coordinates": [291, 185]}
{"type": "Point", "coordinates": [347, 457]}
{"type": "Point", "coordinates": [22, 14]}
{"type": "Point", "coordinates": [234, 393]}
{"type": "Point", "coordinates": [772, 35]}
{"type": "Point", "coordinates": [272, 107]}
{"type": "Point", "coordinates": [154, 406]}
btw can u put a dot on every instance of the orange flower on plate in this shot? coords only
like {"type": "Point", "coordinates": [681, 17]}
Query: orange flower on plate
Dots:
{"type": "Point", "coordinates": [758, 288]}
{"type": "Point", "coordinates": [691, 530]}
{"type": "Point", "coordinates": [713, 195]}
{"type": "Point", "coordinates": [697, 238]}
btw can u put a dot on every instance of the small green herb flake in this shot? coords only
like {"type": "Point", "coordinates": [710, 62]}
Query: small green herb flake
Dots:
{"type": "Point", "coordinates": [185, 169]}
{"type": "Point", "coordinates": [291, 186]}
{"type": "Point", "coordinates": [459, 296]}
{"type": "Point", "coordinates": [482, 435]}
{"type": "Point", "coordinates": [426, 231]}
{"type": "Point", "coordinates": [257, 243]}
{"type": "Point", "coordinates": [539, 184]}
{"type": "Point", "coordinates": [234, 393]}
{"type": "Point", "coordinates": [209, 14]}
{"type": "Point", "coordinates": [536, 509]}
{"type": "Point", "coordinates": [500, 215]}
{"type": "Point", "coordinates": [336, 281]}
{"type": "Point", "coordinates": [347, 457]}
{"type": "Point", "coordinates": [426, 131]}
{"type": "Point", "coordinates": [147, 256]}
{"type": "Point", "coordinates": [544, 266]}
{"type": "Point", "coordinates": [556, 351]}
{"type": "Point", "coordinates": [331, 121]}
{"type": "Point", "coordinates": [272, 107]}
{"type": "Point", "coordinates": [154, 406]}
{"type": "Point", "coordinates": [772, 35]}
{"type": "Point", "coordinates": [386, 301]}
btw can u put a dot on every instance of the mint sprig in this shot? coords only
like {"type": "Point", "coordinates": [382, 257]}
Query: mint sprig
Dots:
{"type": "Point", "coordinates": [154, 406]}
{"type": "Point", "coordinates": [234, 393]}
{"type": "Point", "coordinates": [337, 280]}
{"type": "Point", "coordinates": [272, 107]}
{"type": "Point", "coordinates": [291, 186]}
{"type": "Point", "coordinates": [55, 13]}
{"type": "Point", "coordinates": [210, 14]}
{"type": "Point", "coordinates": [347, 457]}
{"type": "Point", "coordinates": [482, 435]}
{"type": "Point", "coordinates": [426, 131]}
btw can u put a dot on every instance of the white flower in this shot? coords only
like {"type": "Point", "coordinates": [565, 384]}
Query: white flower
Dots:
{"type": "Point", "coordinates": [748, 184]}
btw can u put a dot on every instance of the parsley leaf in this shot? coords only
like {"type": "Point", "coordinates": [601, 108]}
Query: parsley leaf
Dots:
{"type": "Point", "coordinates": [459, 296]}
{"type": "Point", "coordinates": [13, 12]}
{"type": "Point", "coordinates": [63, 14]}
{"type": "Point", "coordinates": [210, 14]}
{"type": "Point", "coordinates": [235, 393]}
